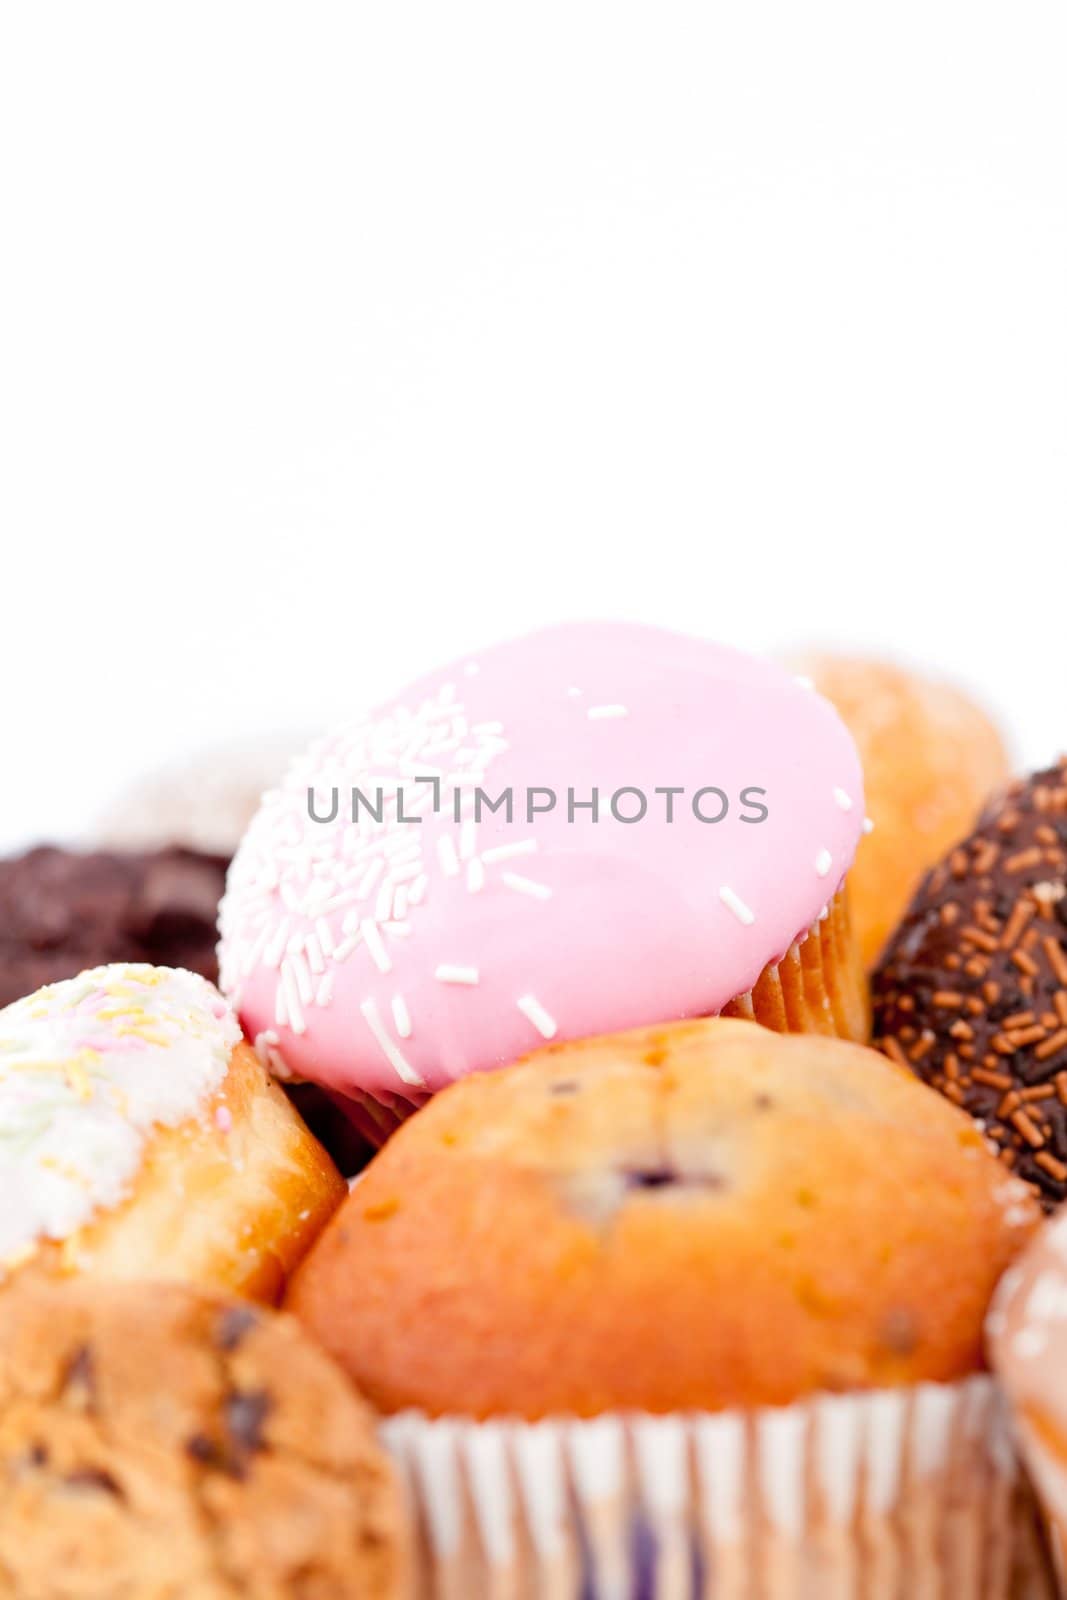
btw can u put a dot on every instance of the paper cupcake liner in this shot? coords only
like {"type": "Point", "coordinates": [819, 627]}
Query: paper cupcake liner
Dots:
{"type": "Point", "coordinates": [818, 986]}
{"type": "Point", "coordinates": [891, 1495]}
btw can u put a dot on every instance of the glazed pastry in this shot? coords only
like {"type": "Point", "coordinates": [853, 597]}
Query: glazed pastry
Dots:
{"type": "Point", "coordinates": [204, 802]}
{"type": "Point", "coordinates": [1027, 1331]}
{"type": "Point", "coordinates": [570, 1235]}
{"type": "Point", "coordinates": [158, 1442]}
{"type": "Point", "coordinates": [62, 911]}
{"type": "Point", "coordinates": [931, 759]}
{"type": "Point", "coordinates": [595, 827]}
{"type": "Point", "coordinates": [140, 1137]}
{"type": "Point", "coordinates": [971, 993]}
{"type": "Point", "coordinates": [756, 1266]}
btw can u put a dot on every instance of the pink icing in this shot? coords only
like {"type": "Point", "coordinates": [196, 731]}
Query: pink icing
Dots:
{"type": "Point", "coordinates": [588, 927]}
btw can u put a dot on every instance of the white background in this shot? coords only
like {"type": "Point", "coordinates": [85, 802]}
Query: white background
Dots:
{"type": "Point", "coordinates": [338, 340]}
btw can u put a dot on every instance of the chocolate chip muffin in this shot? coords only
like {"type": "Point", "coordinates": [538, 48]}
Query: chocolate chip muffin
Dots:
{"type": "Point", "coordinates": [62, 911]}
{"type": "Point", "coordinates": [157, 1442]}
{"type": "Point", "coordinates": [971, 994]}
{"type": "Point", "coordinates": [694, 1217]}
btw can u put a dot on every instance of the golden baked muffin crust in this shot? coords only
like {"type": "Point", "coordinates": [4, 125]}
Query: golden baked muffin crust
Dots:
{"type": "Point", "coordinates": [931, 759]}
{"type": "Point", "coordinates": [143, 1138]}
{"type": "Point", "coordinates": [158, 1441]}
{"type": "Point", "coordinates": [706, 1215]}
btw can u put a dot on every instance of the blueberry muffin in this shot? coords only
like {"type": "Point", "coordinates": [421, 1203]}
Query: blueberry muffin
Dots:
{"type": "Point", "coordinates": [694, 1217]}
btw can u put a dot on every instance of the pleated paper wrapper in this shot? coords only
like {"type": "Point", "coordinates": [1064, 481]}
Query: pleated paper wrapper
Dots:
{"type": "Point", "coordinates": [891, 1495]}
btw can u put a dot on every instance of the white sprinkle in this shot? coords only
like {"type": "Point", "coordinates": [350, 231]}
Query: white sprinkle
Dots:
{"type": "Point", "coordinates": [406, 871]}
{"type": "Point", "coordinates": [324, 992]}
{"type": "Point", "coordinates": [599, 713]}
{"type": "Point", "coordinates": [376, 945]}
{"type": "Point", "coordinates": [292, 1000]}
{"type": "Point", "coordinates": [400, 904]}
{"type": "Point", "coordinates": [255, 950]}
{"type": "Point", "coordinates": [396, 1058]}
{"type": "Point", "coordinates": [263, 1044]}
{"type": "Point", "coordinates": [504, 852]}
{"type": "Point", "coordinates": [369, 878]}
{"type": "Point", "coordinates": [823, 862]}
{"type": "Point", "coordinates": [417, 892]}
{"type": "Point", "coordinates": [446, 855]}
{"type": "Point", "coordinates": [868, 825]}
{"type": "Point", "coordinates": [535, 1012]}
{"type": "Point", "coordinates": [468, 838]}
{"type": "Point", "coordinates": [325, 937]}
{"type": "Point", "coordinates": [401, 1016]}
{"type": "Point", "coordinates": [383, 906]}
{"type": "Point", "coordinates": [302, 975]}
{"type": "Point", "coordinates": [276, 949]}
{"type": "Point", "coordinates": [734, 903]}
{"type": "Point", "coordinates": [537, 891]}
{"type": "Point", "coordinates": [449, 974]}
{"type": "Point", "coordinates": [804, 682]}
{"type": "Point", "coordinates": [345, 949]}
{"type": "Point", "coordinates": [475, 876]}
{"type": "Point", "coordinates": [843, 799]}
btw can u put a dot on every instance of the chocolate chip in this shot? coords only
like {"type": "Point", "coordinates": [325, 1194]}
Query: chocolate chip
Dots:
{"type": "Point", "coordinates": [233, 1326]}
{"type": "Point", "coordinates": [94, 1478]}
{"type": "Point", "coordinates": [79, 1378]}
{"type": "Point", "coordinates": [764, 1102]}
{"type": "Point", "coordinates": [244, 1413]}
{"type": "Point", "coordinates": [200, 1447]}
{"type": "Point", "coordinates": [899, 1331]}
{"type": "Point", "coordinates": [563, 1086]}
{"type": "Point", "coordinates": [671, 1178]}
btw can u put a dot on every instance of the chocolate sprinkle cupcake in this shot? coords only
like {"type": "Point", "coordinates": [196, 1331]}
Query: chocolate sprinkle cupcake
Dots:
{"type": "Point", "coordinates": [971, 992]}
{"type": "Point", "coordinates": [62, 911]}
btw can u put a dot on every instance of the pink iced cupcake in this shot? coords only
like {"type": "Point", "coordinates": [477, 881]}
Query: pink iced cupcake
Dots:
{"type": "Point", "coordinates": [596, 827]}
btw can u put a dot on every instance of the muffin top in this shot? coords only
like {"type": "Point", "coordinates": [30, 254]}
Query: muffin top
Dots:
{"type": "Point", "coordinates": [88, 1068]}
{"type": "Point", "coordinates": [204, 802]}
{"type": "Point", "coordinates": [971, 992]}
{"type": "Point", "coordinates": [1027, 1335]}
{"type": "Point", "coordinates": [706, 1215]}
{"type": "Point", "coordinates": [159, 1441]}
{"type": "Point", "coordinates": [595, 827]}
{"type": "Point", "coordinates": [62, 911]}
{"type": "Point", "coordinates": [931, 759]}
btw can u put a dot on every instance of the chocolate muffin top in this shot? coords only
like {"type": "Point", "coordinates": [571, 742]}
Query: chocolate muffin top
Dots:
{"type": "Point", "coordinates": [62, 911]}
{"type": "Point", "coordinates": [971, 993]}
